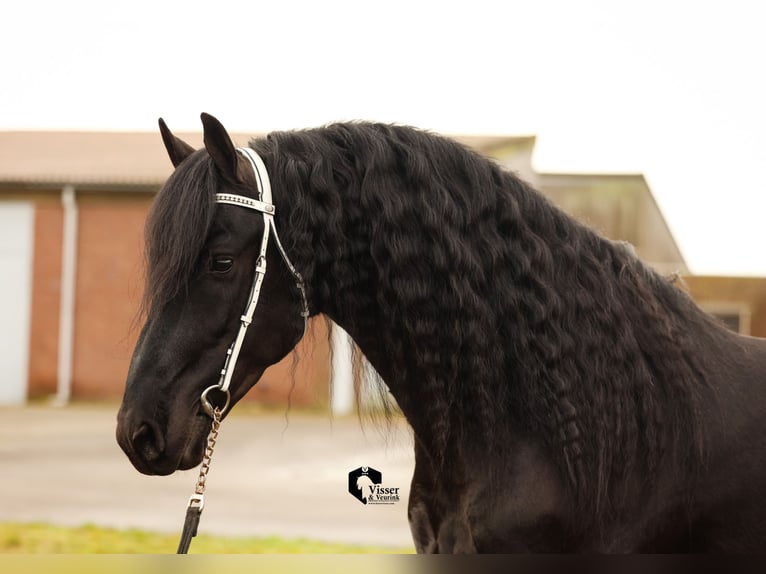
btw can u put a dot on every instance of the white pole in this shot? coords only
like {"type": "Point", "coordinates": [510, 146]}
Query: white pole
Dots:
{"type": "Point", "coordinates": [67, 301]}
{"type": "Point", "coordinates": [342, 388]}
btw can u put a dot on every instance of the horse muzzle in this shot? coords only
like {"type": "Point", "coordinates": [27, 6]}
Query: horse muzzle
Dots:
{"type": "Point", "coordinates": [154, 451]}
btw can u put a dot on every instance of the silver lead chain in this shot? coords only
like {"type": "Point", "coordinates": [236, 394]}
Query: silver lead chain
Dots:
{"type": "Point", "coordinates": [197, 500]}
{"type": "Point", "coordinates": [211, 440]}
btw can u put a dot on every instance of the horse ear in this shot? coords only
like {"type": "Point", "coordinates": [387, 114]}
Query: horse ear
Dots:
{"type": "Point", "coordinates": [220, 147]}
{"type": "Point", "coordinates": [178, 150]}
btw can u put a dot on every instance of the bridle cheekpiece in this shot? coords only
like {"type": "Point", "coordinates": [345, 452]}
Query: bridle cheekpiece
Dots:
{"type": "Point", "coordinates": [264, 204]}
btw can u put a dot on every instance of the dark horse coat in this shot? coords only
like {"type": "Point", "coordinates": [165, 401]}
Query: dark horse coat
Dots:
{"type": "Point", "coordinates": [563, 396]}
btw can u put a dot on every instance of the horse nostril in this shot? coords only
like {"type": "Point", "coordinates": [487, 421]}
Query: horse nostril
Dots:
{"type": "Point", "coordinates": [148, 442]}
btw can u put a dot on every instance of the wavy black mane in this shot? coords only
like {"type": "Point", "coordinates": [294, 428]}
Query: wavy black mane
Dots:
{"type": "Point", "coordinates": [489, 304]}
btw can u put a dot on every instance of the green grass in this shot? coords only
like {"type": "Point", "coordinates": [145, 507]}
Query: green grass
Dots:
{"type": "Point", "coordinates": [36, 538]}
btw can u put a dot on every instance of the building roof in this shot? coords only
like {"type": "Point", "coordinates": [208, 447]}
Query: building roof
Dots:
{"type": "Point", "coordinates": [137, 162]}
{"type": "Point", "coordinates": [116, 160]}
{"type": "Point", "coordinates": [622, 207]}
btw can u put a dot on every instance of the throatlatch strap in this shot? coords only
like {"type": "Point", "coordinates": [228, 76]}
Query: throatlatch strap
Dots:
{"type": "Point", "coordinates": [191, 523]}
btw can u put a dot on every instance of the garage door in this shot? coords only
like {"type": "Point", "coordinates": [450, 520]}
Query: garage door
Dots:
{"type": "Point", "coordinates": [16, 235]}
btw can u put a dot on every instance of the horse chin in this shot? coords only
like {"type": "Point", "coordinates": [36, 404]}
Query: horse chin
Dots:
{"type": "Point", "coordinates": [194, 448]}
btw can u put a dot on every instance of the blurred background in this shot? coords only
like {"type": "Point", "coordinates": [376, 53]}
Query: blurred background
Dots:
{"type": "Point", "coordinates": [643, 119]}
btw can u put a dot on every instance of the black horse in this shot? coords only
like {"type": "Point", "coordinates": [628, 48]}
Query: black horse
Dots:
{"type": "Point", "coordinates": [563, 396]}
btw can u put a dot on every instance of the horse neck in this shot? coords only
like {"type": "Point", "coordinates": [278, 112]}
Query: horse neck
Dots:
{"type": "Point", "coordinates": [482, 306]}
{"type": "Point", "coordinates": [360, 224]}
{"type": "Point", "coordinates": [327, 233]}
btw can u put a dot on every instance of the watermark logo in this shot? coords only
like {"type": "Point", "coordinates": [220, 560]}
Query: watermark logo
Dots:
{"type": "Point", "coordinates": [366, 485]}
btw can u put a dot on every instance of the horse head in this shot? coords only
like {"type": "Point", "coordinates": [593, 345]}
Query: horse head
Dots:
{"type": "Point", "coordinates": [200, 259]}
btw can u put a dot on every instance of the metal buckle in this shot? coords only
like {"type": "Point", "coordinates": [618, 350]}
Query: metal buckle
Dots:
{"type": "Point", "coordinates": [197, 500]}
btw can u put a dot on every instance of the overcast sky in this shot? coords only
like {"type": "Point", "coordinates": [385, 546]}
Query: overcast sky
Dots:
{"type": "Point", "coordinates": [674, 89]}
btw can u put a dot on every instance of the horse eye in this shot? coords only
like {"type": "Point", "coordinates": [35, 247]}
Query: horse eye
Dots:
{"type": "Point", "coordinates": [221, 264]}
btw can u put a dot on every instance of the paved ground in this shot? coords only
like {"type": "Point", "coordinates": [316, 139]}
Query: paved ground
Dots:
{"type": "Point", "coordinates": [269, 476]}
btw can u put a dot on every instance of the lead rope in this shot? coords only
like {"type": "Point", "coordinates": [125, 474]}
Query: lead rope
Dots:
{"type": "Point", "coordinates": [197, 500]}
